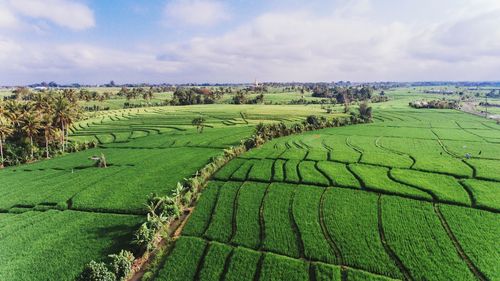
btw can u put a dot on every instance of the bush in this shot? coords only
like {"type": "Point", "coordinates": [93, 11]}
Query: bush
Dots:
{"type": "Point", "coordinates": [121, 264]}
{"type": "Point", "coordinates": [96, 271]}
{"type": "Point", "coordinates": [144, 237]}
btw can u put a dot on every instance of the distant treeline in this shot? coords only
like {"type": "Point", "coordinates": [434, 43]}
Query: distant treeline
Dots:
{"type": "Point", "coordinates": [343, 94]}
{"type": "Point", "coordinates": [440, 104]}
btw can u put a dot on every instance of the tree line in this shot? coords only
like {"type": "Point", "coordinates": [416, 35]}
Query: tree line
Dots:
{"type": "Point", "coordinates": [37, 127]}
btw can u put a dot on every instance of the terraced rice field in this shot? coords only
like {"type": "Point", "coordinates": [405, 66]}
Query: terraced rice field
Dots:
{"type": "Point", "coordinates": [412, 196]}
{"type": "Point", "coordinates": [56, 215]}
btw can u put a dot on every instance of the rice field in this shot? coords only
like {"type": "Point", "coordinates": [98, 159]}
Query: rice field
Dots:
{"type": "Point", "coordinates": [411, 196]}
{"type": "Point", "coordinates": [64, 212]}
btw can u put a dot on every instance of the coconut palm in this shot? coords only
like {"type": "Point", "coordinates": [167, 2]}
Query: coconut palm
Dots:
{"type": "Point", "coordinates": [49, 131]}
{"type": "Point", "coordinates": [64, 114]}
{"type": "Point", "coordinates": [5, 130]}
{"type": "Point", "coordinates": [14, 112]}
{"type": "Point", "coordinates": [31, 125]}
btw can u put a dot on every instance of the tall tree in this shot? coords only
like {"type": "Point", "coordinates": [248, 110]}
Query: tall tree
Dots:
{"type": "Point", "coordinates": [62, 116]}
{"type": "Point", "coordinates": [199, 122]}
{"type": "Point", "coordinates": [49, 132]}
{"type": "Point", "coordinates": [31, 125]}
{"type": "Point", "coordinates": [5, 130]}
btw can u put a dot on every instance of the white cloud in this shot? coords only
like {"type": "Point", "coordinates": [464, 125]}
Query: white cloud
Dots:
{"type": "Point", "coordinates": [200, 13]}
{"type": "Point", "coordinates": [69, 14]}
{"type": "Point", "coordinates": [76, 62]}
{"type": "Point", "coordinates": [357, 41]}
{"type": "Point", "coordinates": [352, 43]}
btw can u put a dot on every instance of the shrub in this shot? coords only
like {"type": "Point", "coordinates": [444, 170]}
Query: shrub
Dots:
{"type": "Point", "coordinates": [121, 264]}
{"type": "Point", "coordinates": [144, 237]}
{"type": "Point", "coordinates": [96, 271]}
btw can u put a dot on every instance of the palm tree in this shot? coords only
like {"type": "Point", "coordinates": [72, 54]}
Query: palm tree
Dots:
{"type": "Point", "coordinates": [64, 114]}
{"type": "Point", "coordinates": [5, 131]}
{"type": "Point", "coordinates": [49, 132]}
{"type": "Point", "coordinates": [14, 112]}
{"type": "Point", "coordinates": [31, 126]}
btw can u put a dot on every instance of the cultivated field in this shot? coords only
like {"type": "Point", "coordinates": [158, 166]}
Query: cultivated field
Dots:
{"type": "Point", "coordinates": [56, 215]}
{"type": "Point", "coordinates": [414, 195]}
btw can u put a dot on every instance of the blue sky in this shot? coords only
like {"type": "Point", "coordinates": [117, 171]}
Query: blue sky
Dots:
{"type": "Point", "coordinates": [177, 41]}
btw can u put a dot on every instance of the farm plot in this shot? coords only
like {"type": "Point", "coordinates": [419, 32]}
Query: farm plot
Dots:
{"type": "Point", "coordinates": [316, 247]}
{"type": "Point", "coordinates": [338, 174]}
{"type": "Point", "coordinates": [476, 231]}
{"type": "Point", "coordinates": [147, 151]}
{"type": "Point", "coordinates": [486, 169]}
{"type": "Point", "coordinates": [55, 245]}
{"type": "Point", "coordinates": [443, 187]}
{"type": "Point", "coordinates": [429, 156]}
{"type": "Point", "coordinates": [79, 185]}
{"type": "Point", "coordinates": [374, 154]}
{"type": "Point", "coordinates": [405, 239]}
{"type": "Point", "coordinates": [485, 193]}
{"type": "Point", "coordinates": [355, 232]}
{"type": "Point", "coordinates": [220, 228]}
{"type": "Point", "coordinates": [279, 234]}
{"type": "Point", "coordinates": [377, 205]}
{"type": "Point", "coordinates": [474, 149]}
{"type": "Point", "coordinates": [377, 178]}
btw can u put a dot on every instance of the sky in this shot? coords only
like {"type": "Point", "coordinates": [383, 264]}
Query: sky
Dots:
{"type": "Point", "coordinates": [218, 41]}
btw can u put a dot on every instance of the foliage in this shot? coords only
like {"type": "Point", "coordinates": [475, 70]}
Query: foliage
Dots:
{"type": "Point", "coordinates": [95, 271]}
{"type": "Point", "coordinates": [440, 104]}
{"type": "Point", "coordinates": [37, 127]}
{"type": "Point", "coordinates": [188, 96]}
{"type": "Point", "coordinates": [121, 264]}
{"type": "Point", "coordinates": [144, 237]}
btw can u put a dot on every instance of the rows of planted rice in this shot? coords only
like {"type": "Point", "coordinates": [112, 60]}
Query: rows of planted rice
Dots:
{"type": "Point", "coordinates": [65, 240]}
{"type": "Point", "coordinates": [414, 195]}
{"type": "Point", "coordinates": [58, 214]}
{"type": "Point", "coordinates": [197, 259]}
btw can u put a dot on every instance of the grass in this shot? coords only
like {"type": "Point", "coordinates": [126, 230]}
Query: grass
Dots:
{"type": "Point", "coordinates": [306, 215]}
{"type": "Point", "coordinates": [485, 193]}
{"type": "Point", "coordinates": [376, 178]}
{"type": "Point", "coordinates": [265, 229]}
{"type": "Point", "coordinates": [243, 265]}
{"type": "Point", "coordinates": [444, 187]}
{"type": "Point", "coordinates": [311, 175]}
{"type": "Point", "coordinates": [248, 227]}
{"type": "Point", "coordinates": [183, 261]}
{"type": "Point", "coordinates": [290, 170]}
{"type": "Point", "coordinates": [355, 231]}
{"type": "Point", "coordinates": [279, 236]}
{"type": "Point", "coordinates": [213, 266]}
{"type": "Point", "coordinates": [262, 170]}
{"type": "Point", "coordinates": [486, 169]}
{"type": "Point", "coordinates": [55, 245]}
{"type": "Point", "coordinates": [200, 218]}
{"type": "Point", "coordinates": [425, 259]}
{"type": "Point", "coordinates": [476, 231]}
{"type": "Point", "coordinates": [222, 218]}
{"type": "Point", "coordinates": [326, 272]}
{"type": "Point", "coordinates": [277, 267]}
{"type": "Point", "coordinates": [338, 173]}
